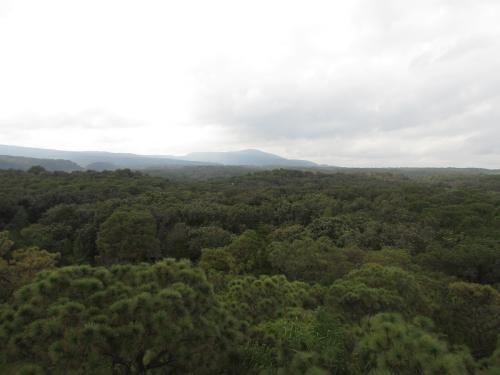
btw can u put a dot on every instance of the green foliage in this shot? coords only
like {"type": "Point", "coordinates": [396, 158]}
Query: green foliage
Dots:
{"type": "Point", "coordinates": [31, 370]}
{"type": "Point", "coordinates": [20, 266]}
{"type": "Point", "coordinates": [128, 235]}
{"type": "Point", "coordinates": [387, 344]}
{"type": "Point", "coordinates": [340, 229]}
{"type": "Point", "coordinates": [309, 260]}
{"type": "Point", "coordinates": [128, 318]}
{"type": "Point", "coordinates": [249, 250]}
{"type": "Point", "coordinates": [219, 259]}
{"type": "Point", "coordinates": [293, 260]}
{"type": "Point", "coordinates": [246, 253]}
{"type": "Point", "coordinates": [54, 237]}
{"type": "Point", "coordinates": [207, 237]}
{"type": "Point", "coordinates": [374, 288]}
{"type": "Point", "coordinates": [19, 221]}
{"type": "Point", "coordinates": [310, 342]}
{"type": "Point", "coordinates": [473, 316]}
{"type": "Point", "coordinates": [288, 233]}
{"type": "Point", "coordinates": [176, 242]}
{"type": "Point", "coordinates": [6, 243]}
{"type": "Point", "coordinates": [475, 261]}
{"type": "Point", "coordinates": [254, 299]}
{"type": "Point", "coordinates": [37, 169]}
{"type": "Point", "coordinates": [390, 257]}
{"type": "Point", "coordinates": [491, 365]}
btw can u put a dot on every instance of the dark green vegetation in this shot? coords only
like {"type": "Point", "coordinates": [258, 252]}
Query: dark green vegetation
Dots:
{"type": "Point", "coordinates": [182, 172]}
{"type": "Point", "coordinates": [22, 163]}
{"type": "Point", "coordinates": [277, 272]}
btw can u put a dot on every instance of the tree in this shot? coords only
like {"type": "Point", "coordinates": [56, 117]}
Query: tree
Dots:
{"type": "Point", "coordinates": [128, 235]}
{"type": "Point", "coordinates": [474, 260]}
{"type": "Point", "coordinates": [128, 319]}
{"type": "Point", "coordinates": [218, 259]}
{"type": "Point", "coordinates": [84, 245]}
{"type": "Point", "coordinates": [387, 344]}
{"type": "Point", "coordinates": [288, 233]}
{"type": "Point", "coordinates": [390, 257]}
{"type": "Point", "coordinates": [176, 243]}
{"type": "Point", "coordinates": [342, 230]}
{"type": "Point", "coordinates": [308, 341]}
{"type": "Point", "coordinates": [6, 243]}
{"type": "Point", "coordinates": [20, 266]}
{"type": "Point", "coordinates": [53, 237]}
{"type": "Point", "coordinates": [374, 288]}
{"type": "Point", "coordinates": [308, 260]}
{"type": "Point", "coordinates": [206, 237]}
{"type": "Point", "coordinates": [491, 365]}
{"type": "Point", "coordinates": [473, 316]}
{"type": "Point", "coordinates": [246, 253]}
{"type": "Point", "coordinates": [255, 299]}
{"type": "Point", "coordinates": [37, 169]}
{"type": "Point", "coordinates": [19, 221]}
{"type": "Point", "coordinates": [249, 250]}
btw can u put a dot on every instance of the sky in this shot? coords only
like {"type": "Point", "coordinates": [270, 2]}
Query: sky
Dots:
{"type": "Point", "coordinates": [351, 83]}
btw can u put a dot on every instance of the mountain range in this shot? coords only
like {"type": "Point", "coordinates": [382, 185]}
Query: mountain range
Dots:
{"type": "Point", "coordinates": [98, 160]}
{"type": "Point", "coordinates": [24, 163]}
{"type": "Point", "coordinates": [248, 157]}
{"type": "Point", "coordinates": [198, 165]}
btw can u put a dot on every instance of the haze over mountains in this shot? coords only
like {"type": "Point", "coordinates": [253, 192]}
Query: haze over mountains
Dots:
{"type": "Point", "coordinates": [193, 166]}
{"type": "Point", "coordinates": [245, 157]}
{"type": "Point", "coordinates": [23, 163]}
{"type": "Point", "coordinates": [98, 160]}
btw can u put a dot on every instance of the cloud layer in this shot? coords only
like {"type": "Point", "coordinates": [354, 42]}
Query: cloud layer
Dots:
{"type": "Point", "coordinates": [385, 83]}
{"type": "Point", "coordinates": [415, 85]}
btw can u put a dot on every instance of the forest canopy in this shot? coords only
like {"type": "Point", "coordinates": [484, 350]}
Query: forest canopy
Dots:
{"type": "Point", "coordinates": [273, 272]}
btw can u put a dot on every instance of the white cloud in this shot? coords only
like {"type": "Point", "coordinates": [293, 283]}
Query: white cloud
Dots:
{"type": "Point", "coordinates": [356, 83]}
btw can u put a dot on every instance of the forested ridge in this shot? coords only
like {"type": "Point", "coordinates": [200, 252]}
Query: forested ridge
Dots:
{"type": "Point", "coordinates": [274, 272]}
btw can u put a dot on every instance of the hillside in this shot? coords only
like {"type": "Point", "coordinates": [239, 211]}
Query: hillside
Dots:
{"type": "Point", "coordinates": [99, 160]}
{"type": "Point", "coordinates": [85, 158]}
{"type": "Point", "coordinates": [246, 157]}
{"type": "Point", "coordinates": [23, 163]}
{"type": "Point", "coordinates": [197, 165]}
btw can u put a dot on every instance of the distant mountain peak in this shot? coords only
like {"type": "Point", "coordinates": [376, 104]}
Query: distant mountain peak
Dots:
{"type": "Point", "coordinates": [253, 157]}
{"type": "Point", "coordinates": [107, 160]}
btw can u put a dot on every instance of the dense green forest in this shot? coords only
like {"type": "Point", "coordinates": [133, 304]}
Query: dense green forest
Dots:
{"type": "Point", "coordinates": [273, 272]}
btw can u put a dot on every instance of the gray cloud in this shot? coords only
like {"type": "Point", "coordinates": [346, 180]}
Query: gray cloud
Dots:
{"type": "Point", "coordinates": [420, 82]}
{"type": "Point", "coordinates": [365, 82]}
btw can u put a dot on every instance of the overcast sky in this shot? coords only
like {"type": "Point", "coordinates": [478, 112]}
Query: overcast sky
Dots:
{"type": "Point", "coordinates": [353, 83]}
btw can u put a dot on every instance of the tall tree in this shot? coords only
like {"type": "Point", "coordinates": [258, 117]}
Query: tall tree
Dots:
{"type": "Point", "coordinates": [128, 235]}
{"type": "Point", "coordinates": [20, 266]}
{"type": "Point", "coordinates": [387, 344]}
{"type": "Point", "coordinates": [473, 316]}
{"type": "Point", "coordinates": [122, 320]}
